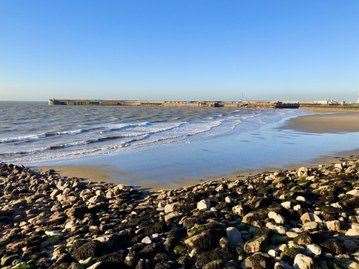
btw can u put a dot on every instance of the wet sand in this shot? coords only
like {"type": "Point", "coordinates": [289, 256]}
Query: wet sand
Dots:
{"type": "Point", "coordinates": [326, 123]}
{"type": "Point", "coordinates": [107, 174]}
{"type": "Point", "coordinates": [95, 173]}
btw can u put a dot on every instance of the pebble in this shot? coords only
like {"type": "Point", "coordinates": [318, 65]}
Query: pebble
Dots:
{"type": "Point", "coordinates": [287, 219]}
{"type": "Point", "coordinates": [203, 205]}
{"type": "Point", "coordinates": [314, 249]}
{"type": "Point", "coordinates": [276, 217]}
{"type": "Point", "coordinates": [303, 262]}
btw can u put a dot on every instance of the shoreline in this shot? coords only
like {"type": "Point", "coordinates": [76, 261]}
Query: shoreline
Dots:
{"type": "Point", "coordinates": [104, 174]}
{"type": "Point", "coordinates": [340, 122]}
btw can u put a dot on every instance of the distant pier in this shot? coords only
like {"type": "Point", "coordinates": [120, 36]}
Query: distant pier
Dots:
{"type": "Point", "coordinates": [169, 103]}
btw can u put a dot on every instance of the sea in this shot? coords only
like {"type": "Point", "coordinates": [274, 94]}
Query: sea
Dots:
{"type": "Point", "coordinates": [159, 144]}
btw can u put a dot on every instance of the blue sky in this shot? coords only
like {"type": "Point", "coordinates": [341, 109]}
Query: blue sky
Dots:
{"type": "Point", "coordinates": [203, 49]}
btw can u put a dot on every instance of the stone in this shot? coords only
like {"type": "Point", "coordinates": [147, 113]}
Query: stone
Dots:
{"type": "Point", "coordinates": [248, 218]}
{"type": "Point", "coordinates": [300, 198]}
{"type": "Point", "coordinates": [286, 204]}
{"type": "Point", "coordinates": [308, 217]}
{"type": "Point", "coordinates": [238, 210]}
{"type": "Point", "coordinates": [302, 172]}
{"type": "Point", "coordinates": [354, 230]}
{"type": "Point", "coordinates": [354, 192]}
{"type": "Point", "coordinates": [146, 240]}
{"type": "Point", "coordinates": [171, 207]}
{"type": "Point", "coordinates": [203, 205]}
{"type": "Point", "coordinates": [276, 217]}
{"type": "Point", "coordinates": [303, 262]}
{"type": "Point", "coordinates": [168, 217]}
{"type": "Point", "coordinates": [314, 249]}
{"type": "Point", "coordinates": [95, 265]}
{"type": "Point", "coordinates": [257, 261]}
{"type": "Point", "coordinates": [312, 225]}
{"type": "Point", "coordinates": [254, 245]}
{"type": "Point", "coordinates": [333, 225]}
{"type": "Point", "coordinates": [234, 236]}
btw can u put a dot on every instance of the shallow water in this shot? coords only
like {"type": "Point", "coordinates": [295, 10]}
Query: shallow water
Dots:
{"type": "Point", "coordinates": [159, 144]}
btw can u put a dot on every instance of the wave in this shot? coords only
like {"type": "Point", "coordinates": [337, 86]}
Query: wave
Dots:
{"type": "Point", "coordinates": [121, 126]}
{"type": "Point", "coordinates": [35, 137]}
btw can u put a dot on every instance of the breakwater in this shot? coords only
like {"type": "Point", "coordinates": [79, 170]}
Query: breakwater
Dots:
{"type": "Point", "coordinates": [170, 103]}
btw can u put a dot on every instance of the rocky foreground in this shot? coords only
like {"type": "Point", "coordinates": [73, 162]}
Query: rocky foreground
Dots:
{"type": "Point", "coordinates": [306, 218]}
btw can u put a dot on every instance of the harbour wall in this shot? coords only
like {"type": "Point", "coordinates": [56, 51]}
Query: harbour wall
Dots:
{"type": "Point", "coordinates": [170, 103]}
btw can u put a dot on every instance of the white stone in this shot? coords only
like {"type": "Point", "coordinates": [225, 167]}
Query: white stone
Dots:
{"type": "Point", "coordinates": [302, 172]}
{"type": "Point", "coordinates": [228, 200]}
{"type": "Point", "coordinates": [291, 234]}
{"type": "Point", "coordinates": [146, 240]}
{"type": "Point", "coordinates": [354, 230]}
{"type": "Point", "coordinates": [272, 253]}
{"type": "Point", "coordinates": [286, 204]}
{"type": "Point", "coordinates": [155, 235]}
{"type": "Point", "coordinates": [354, 192]}
{"type": "Point", "coordinates": [171, 207]}
{"type": "Point", "coordinates": [276, 217]}
{"type": "Point", "coordinates": [314, 249]}
{"type": "Point", "coordinates": [312, 225]}
{"type": "Point", "coordinates": [53, 233]}
{"type": "Point", "coordinates": [303, 262]}
{"type": "Point", "coordinates": [307, 217]}
{"type": "Point", "coordinates": [297, 207]}
{"type": "Point", "coordinates": [203, 205]}
{"type": "Point", "coordinates": [300, 198]}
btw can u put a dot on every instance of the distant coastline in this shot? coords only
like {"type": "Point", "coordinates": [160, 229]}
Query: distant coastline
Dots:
{"type": "Point", "coordinates": [176, 103]}
{"type": "Point", "coordinates": [315, 105]}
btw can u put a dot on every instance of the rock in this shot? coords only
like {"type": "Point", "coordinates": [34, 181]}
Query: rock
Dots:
{"type": "Point", "coordinates": [308, 217]}
{"type": "Point", "coordinates": [333, 225]}
{"type": "Point", "coordinates": [257, 261]}
{"type": "Point", "coordinates": [314, 249]}
{"type": "Point", "coordinates": [255, 245]}
{"type": "Point", "coordinates": [171, 216]}
{"type": "Point", "coordinates": [354, 230]}
{"type": "Point", "coordinates": [203, 205]}
{"type": "Point", "coordinates": [248, 218]}
{"type": "Point", "coordinates": [302, 172]}
{"type": "Point", "coordinates": [354, 192]}
{"type": "Point", "coordinates": [312, 225]}
{"type": "Point", "coordinates": [300, 198]}
{"type": "Point", "coordinates": [146, 240]}
{"type": "Point", "coordinates": [238, 210]}
{"type": "Point", "coordinates": [171, 207]}
{"type": "Point", "coordinates": [276, 217]}
{"type": "Point", "coordinates": [234, 236]}
{"type": "Point", "coordinates": [303, 262]}
{"type": "Point", "coordinates": [95, 265]}
{"type": "Point", "coordinates": [286, 204]}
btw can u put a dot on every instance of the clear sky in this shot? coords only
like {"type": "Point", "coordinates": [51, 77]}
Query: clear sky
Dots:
{"type": "Point", "coordinates": [195, 49]}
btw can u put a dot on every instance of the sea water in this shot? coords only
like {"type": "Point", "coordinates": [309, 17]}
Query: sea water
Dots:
{"type": "Point", "coordinates": [159, 144]}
